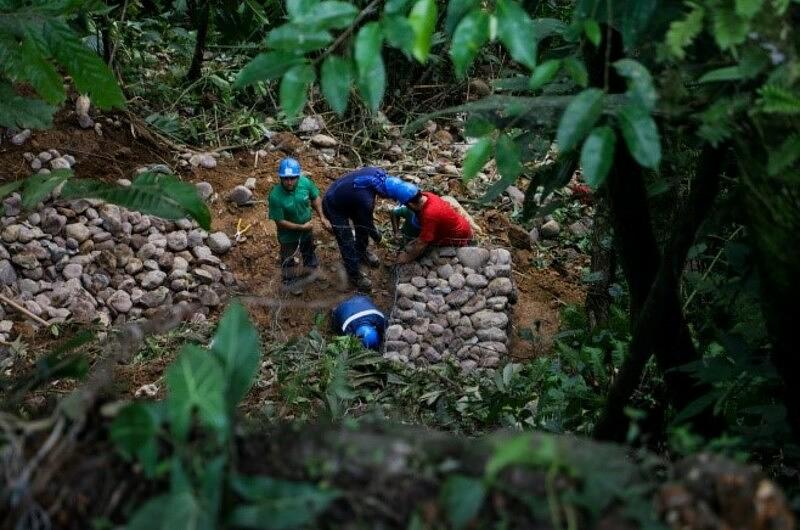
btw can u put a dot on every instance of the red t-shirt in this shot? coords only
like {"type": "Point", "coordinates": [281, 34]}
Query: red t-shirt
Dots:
{"type": "Point", "coordinates": [442, 224]}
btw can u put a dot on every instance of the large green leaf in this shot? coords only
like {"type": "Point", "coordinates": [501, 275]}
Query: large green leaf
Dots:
{"type": "Point", "coordinates": [172, 511]}
{"type": "Point", "coordinates": [578, 118]}
{"type": "Point", "coordinates": [329, 14]}
{"type": "Point", "coordinates": [729, 28]}
{"type": "Point", "coordinates": [636, 16]}
{"type": "Point", "coordinates": [237, 347]}
{"type": "Point", "coordinates": [471, 34]}
{"type": "Point", "coordinates": [462, 498]}
{"type": "Point", "coordinates": [133, 428]}
{"type": "Point", "coordinates": [521, 451]}
{"type": "Point", "coordinates": [507, 154]}
{"type": "Point", "coordinates": [294, 88]}
{"type": "Point", "coordinates": [597, 155]}
{"type": "Point", "coordinates": [517, 32]}
{"type": "Point", "coordinates": [89, 73]}
{"type": "Point", "coordinates": [151, 193]}
{"type": "Point", "coordinates": [195, 381]}
{"type": "Point", "coordinates": [266, 66]}
{"type": "Point", "coordinates": [336, 79]}
{"type": "Point", "coordinates": [748, 8]}
{"type": "Point", "coordinates": [456, 10]}
{"type": "Point", "coordinates": [397, 7]}
{"type": "Point", "coordinates": [38, 187]}
{"type": "Point", "coordinates": [30, 65]}
{"type": "Point", "coordinates": [369, 64]}
{"type": "Point", "coordinates": [18, 111]}
{"type": "Point", "coordinates": [477, 157]}
{"type": "Point", "coordinates": [577, 71]}
{"type": "Point", "coordinates": [423, 21]}
{"type": "Point", "coordinates": [544, 73]}
{"type": "Point", "coordinates": [10, 187]}
{"type": "Point", "coordinates": [641, 134]}
{"type": "Point", "coordinates": [398, 33]}
{"type": "Point", "coordinates": [299, 8]}
{"type": "Point", "coordinates": [278, 504]}
{"type": "Point", "coordinates": [592, 30]}
{"type": "Point", "coordinates": [640, 82]}
{"type": "Point", "coordinates": [298, 39]}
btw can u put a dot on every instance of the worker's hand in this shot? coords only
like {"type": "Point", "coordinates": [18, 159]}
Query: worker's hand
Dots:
{"type": "Point", "coordinates": [327, 225]}
{"type": "Point", "coordinates": [307, 226]}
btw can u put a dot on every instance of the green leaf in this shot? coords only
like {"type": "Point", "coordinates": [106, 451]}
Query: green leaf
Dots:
{"type": "Point", "coordinates": [337, 77]}
{"type": "Point", "coordinates": [397, 7]}
{"type": "Point", "coordinates": [748, 8]}
{"type": "Point", "coordinates": [37, 187]}
{"type": "Point", "coordinates": [636, 15]}
{"type": "Point", "coordinates": [89, 73]}
{"type": "Point", "coordinates": [577, 71]}
{"type": "Point", "coordinates": [132, 429]}
{"type": "Point", "coordinates": [212, 484]}
{"type": "Point", "coordinates": [548, 27]}
{"type": "Point", "coordinates": [456, 10]}
{"type": "Point", "coordinates": [641, 135]}
{"type": "Point", "coordinates": [640, 82]}
{"type": "Point", "coordinates": [520, 450]}
{"type": "Point", "coordinates": [507, 154]}
{"type": "Point", "coordinates": [278, 504]}
{"type": "Point", "coordinates": [299, 8]}
{"type": "Point", "coordinates": [195, 381]}
{"type": "Point", "coordinates": [10, 187]}
{"type": "Point", "coordinates": [298, 39]}
{"type": "Point", "coordinates": [264, 67]}
{"type": "Point", "coordinates": [398, 33]}
{"type": "Point", "coordinates": [727, 73]}
{"type": "Point", "coordinates": [477, 157]}
{"type": "Point", "coordinates": [237, 347]}
{"type": "Point", "coordinates": [778, 100]}
{"type": "Point", "coordinates": [682, 33]}
{"type": "Point", "coordinates": [462, 498]}
{"type": "Point", "coordinates": [471, 34]}
{"type": "Point", "coordinates": [423, 21]}
{"type": "Point", "coordinates": [785, 155]}
{"type": "Point", "coordinates": [43, 77]}
{"type": "Point", "coordinates": [544, 73]}
{"type": "Point", "coordinates": [517, 32]}
{"type": "Point", "coordinates": [729, 28]}
{"type": "Point", "coordinates": [477, 126]}
{"type": "Point", "coordinates": [172, 511]}
{"type": "Point", "coordinates": [18, 111]}
{"type": "Point", "coordinates": [294, 88]}
{"type": "Point", "coordinates": [369, 64]}
{"type": "Point", "coordinates": [330, 14]}
{"type": "Point", "coordinates": [578, 118]}
{"type": "Point", "coordinates": [597, 155]}
{"type": "Point", "coordinates": [151, 193]}
{"type": "Point", "coordinates": [592, 30]}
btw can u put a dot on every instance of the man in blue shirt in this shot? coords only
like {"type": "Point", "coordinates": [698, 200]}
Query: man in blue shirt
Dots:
{"type": "Point", "coordinates": [351, 199]}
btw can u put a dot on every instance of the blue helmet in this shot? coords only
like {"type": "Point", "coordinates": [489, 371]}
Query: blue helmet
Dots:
{"type": "Point", "coordinates": [400, 190]}
{"type": "Point", "coordinates": [289, 168]}
{"type": "Point", "coordinates": [368, 335]}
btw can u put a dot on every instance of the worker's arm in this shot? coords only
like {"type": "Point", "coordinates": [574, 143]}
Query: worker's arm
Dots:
{"type": "Point", "coordinates": [412, 252]}
{"type": "Point", "coordinates": [395, 222]}
{"type": "Point", "coordinates": [317, 205]}
{"type": "Point", "coordinates": [288, 225]}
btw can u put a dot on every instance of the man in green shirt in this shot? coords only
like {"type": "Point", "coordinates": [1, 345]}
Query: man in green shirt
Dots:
{"type": "Point", "coordinates": [410, 227]}
{"type": "Point", "coordinates": [290, 205]}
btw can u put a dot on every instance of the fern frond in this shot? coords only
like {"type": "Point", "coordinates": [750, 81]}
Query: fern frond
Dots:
{"type": "Point", "coordinates": [729, 28]}
{"type": "Point", "coordinates": [784, 156]}
{"type": "Point", "coordinates": [682, 32]}
{"type": "Point", "coordinates": [18, 111]}
{"type": "Point", "coordinates": [778, 100]}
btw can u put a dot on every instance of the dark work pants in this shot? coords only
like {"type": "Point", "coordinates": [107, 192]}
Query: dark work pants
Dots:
{"type": "Point", "coordinates": [352, 249]}
{"type": "Point", "coordinates": [305, 247]}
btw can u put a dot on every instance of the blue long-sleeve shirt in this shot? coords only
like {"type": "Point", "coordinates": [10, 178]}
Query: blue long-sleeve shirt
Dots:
{"type": "Point", "coordinates": [353, 196]}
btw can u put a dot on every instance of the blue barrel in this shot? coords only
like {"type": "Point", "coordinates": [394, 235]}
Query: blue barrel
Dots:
{"type": "Point", "coordinates": [358, 316]}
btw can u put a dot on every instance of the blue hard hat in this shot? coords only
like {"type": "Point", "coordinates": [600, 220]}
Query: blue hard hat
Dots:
{"type": "Point", "coordinates": [400, 190]}
{"type": "Point", "coordinates": [368, 335]}
{"type": "Point", "coordinates": [289, 168]}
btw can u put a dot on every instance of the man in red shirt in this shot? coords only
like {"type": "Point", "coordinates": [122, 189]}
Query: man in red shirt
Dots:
{"type": "Point", "coordinates": [441, 225]}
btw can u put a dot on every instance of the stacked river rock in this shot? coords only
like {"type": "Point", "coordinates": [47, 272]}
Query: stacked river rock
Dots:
{"type": "Point", "coordinates": [453, 305]}
{"type": "Point", "coordinates": [87, 261]}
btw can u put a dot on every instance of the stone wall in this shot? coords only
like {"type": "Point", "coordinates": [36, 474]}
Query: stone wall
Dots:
{"type": "Point", "coordinates": [454, 304]}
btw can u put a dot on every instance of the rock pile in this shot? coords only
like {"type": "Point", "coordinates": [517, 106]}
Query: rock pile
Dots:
{"type": "Point", "coordinates": [86, 261]}
{"type": "Point", "coordinates": [454, 304]}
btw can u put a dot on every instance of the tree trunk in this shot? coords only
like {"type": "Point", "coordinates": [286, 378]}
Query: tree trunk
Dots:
{"type": "Point", "coordinates": [660, 328]}
{"type": "Point", "coordinates": [602, 268]}
{"type": "Point", "coordinates": [200, 15]}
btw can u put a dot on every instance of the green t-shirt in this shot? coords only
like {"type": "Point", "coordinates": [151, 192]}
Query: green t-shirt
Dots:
{"type": "Point", "coordinates": [407, 228]}
{"type": "Point", "coordinates": [293, 206]}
